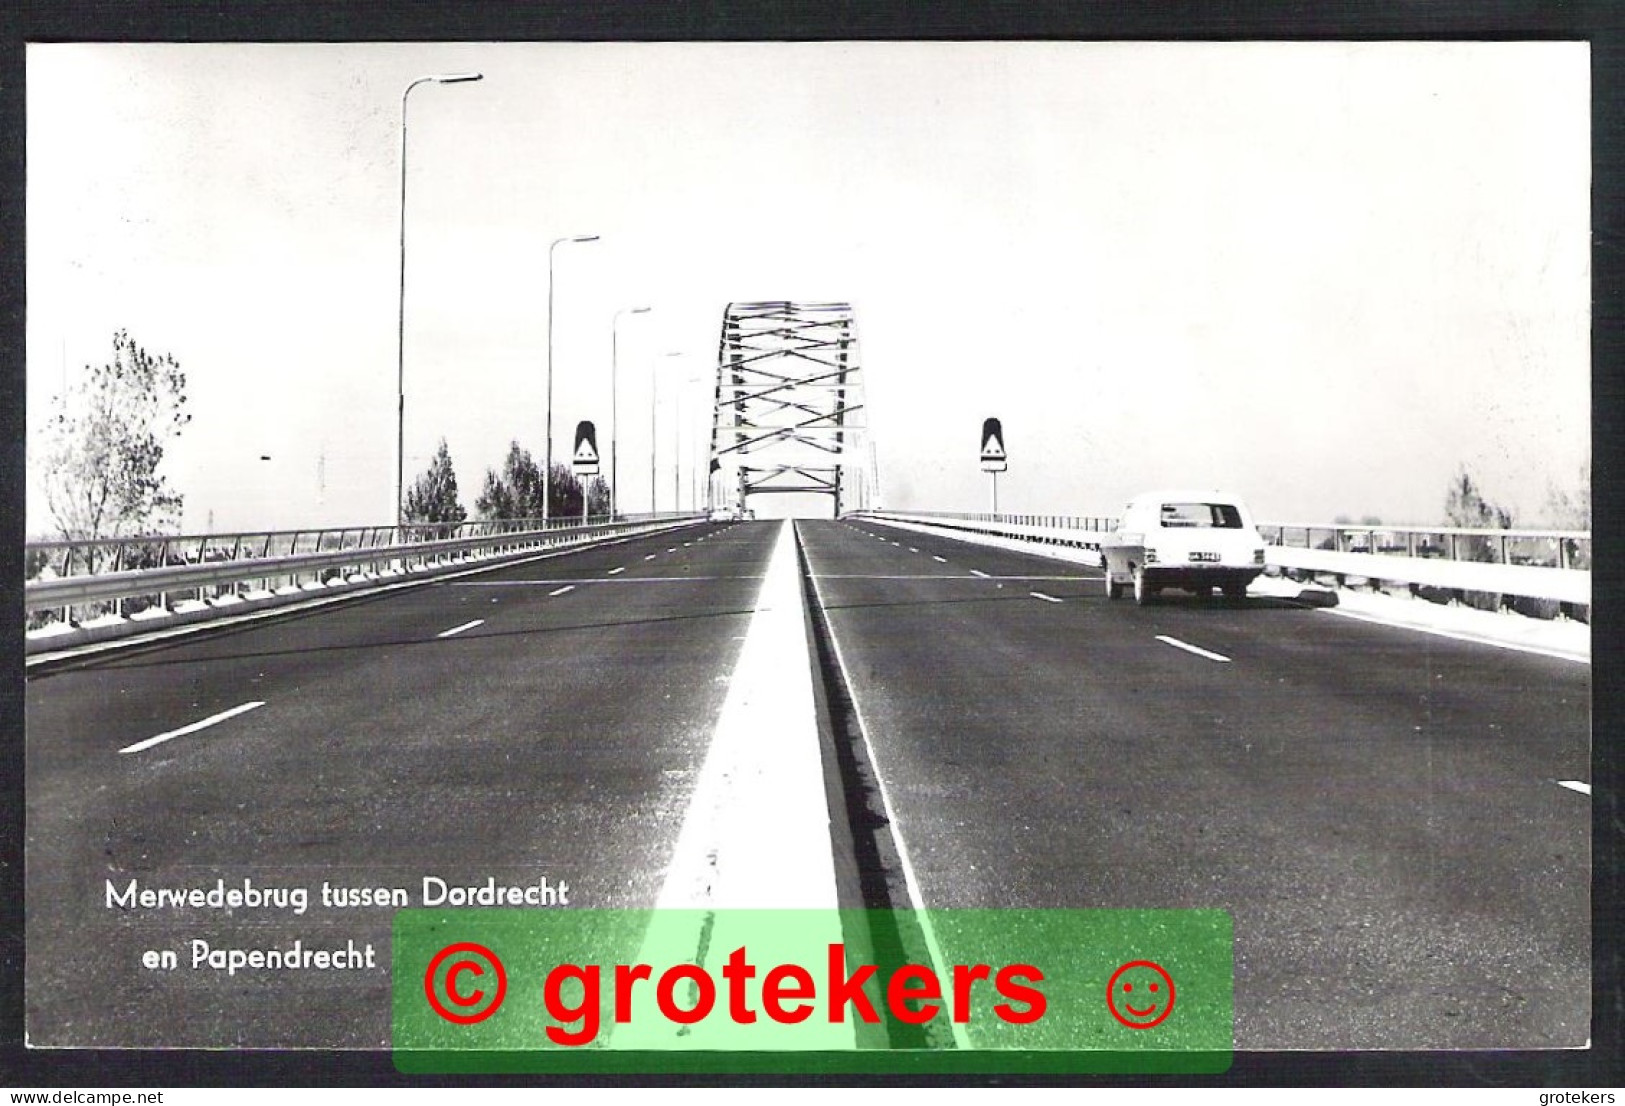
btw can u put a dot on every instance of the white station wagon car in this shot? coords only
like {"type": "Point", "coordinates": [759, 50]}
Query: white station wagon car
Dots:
{"type": "Point", "coordinates": [1193, 540]}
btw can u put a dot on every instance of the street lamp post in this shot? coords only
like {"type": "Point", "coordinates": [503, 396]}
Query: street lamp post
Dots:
{"type": "Point", "coordinates": [400, 321]}
{"type": "Point", "coordinates": [614, 419]}
{"type": "Point", "coordinates": [677, 453]}
{"type": "Point", "coordinates": [654, 406]}
{"type": "Point", "coordinates": [547, 471]}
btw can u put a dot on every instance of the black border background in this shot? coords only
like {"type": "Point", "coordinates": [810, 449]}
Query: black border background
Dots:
{"type": "Point", "coordinates": [1600, 22]}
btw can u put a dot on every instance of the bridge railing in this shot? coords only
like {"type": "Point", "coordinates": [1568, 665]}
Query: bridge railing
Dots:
{"type": "Point", "coordinates": [1549, 565]}
{"type": "Point", "coordinates": [1081, 531]}
{"type": "Point", "coordinates": [129, 576]}
{"type": "Point", "coordinates": [1568, 549]}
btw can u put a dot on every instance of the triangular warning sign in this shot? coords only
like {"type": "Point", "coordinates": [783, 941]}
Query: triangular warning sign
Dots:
{"type": "Point", "coordinates": [992, 449]}
{"type": "Point", "coordinates": [585, 453]}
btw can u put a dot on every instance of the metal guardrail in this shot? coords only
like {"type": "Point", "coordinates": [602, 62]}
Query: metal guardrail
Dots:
{"type": "Point", "coordinates": [156, 566]}
{"type": "Point", "coordinates": [1561, 549]}
{"type": "Point", "coordinates": [69, 558]}
{"type": "Point", "coordinates": [1055, 522]}
{"type": "Point", "coordinates": [1535, 564]}
{"type": "Point", "coordinates": [1546, 548]}
{"type": "Point", "coordinates": [1081, 532]}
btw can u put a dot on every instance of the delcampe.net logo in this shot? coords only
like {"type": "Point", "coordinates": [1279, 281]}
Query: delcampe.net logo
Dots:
{"type": "Point", "coordinates": [815, 991]}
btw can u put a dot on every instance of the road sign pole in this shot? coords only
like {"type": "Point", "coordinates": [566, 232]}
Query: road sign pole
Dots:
{"type": "Point", "coordinates": [994, 458]}
{"type": "Point", "coordinates": [585, 462]}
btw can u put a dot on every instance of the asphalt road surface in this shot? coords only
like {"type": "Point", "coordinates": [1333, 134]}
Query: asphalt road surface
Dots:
{"type": "Point", "coordinates": [554, 740]}
{"type": "Point", "coordinates": [1376, 808]}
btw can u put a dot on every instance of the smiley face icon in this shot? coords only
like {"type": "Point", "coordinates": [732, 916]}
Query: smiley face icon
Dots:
{"type": "Point", "coordinates": [1140, 994]}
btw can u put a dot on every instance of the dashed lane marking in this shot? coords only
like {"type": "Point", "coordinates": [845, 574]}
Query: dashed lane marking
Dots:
{"type": "Point", "coordinates": [1189, 648]}
{"type": "Point", "coordinates": [212, 720]}
{"type": "Point", "coordinates": [459, 629]}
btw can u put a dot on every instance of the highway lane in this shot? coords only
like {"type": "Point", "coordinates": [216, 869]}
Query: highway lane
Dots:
{"type": "Point", "coordinates": [1376, 808]}
{"type": "Point", "coordinates": [555, 734]}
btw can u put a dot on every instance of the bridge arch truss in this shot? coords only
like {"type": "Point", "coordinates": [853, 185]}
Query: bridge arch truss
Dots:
{"type": "Point", "coordinates": [790, 413]}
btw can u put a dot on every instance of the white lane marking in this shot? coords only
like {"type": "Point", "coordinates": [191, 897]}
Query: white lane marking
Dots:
{"type": "Point", "coordinates": [979, 572]}
{"type": "Point", "coordinates": [565, 588]}
{"type": "Point", "coordinates": [1041, 595]}
{"type": "Point", "coordinates": [212, 720]}
{"type": "Point", "coordinates": [650, 557]}
{"type": "Point", "coordinates": [1189, 648]}
{"type": "Point", "coordinates": [884, 576]}
{"type": "Point", "coordinates": [613, 571]}
{"type": "Point", "coordinates": [939, 560]}
{"type": "Point", "coordinates": [910, 881]}
{"type": "Point", "coordinates": [686, 544]}
{"type": "Point", "coordinates": [673, 549]}
{"type": "Point", "coordinates": [460, 629]}
{"type": "Point", "coordinates": [762, 767]}
{"type": "Point", "coordinates": [1575, 785]}
{"type": "Point", "coordinates": [911, 549]}
{"type": "Point", "coordinates": [604, 580]}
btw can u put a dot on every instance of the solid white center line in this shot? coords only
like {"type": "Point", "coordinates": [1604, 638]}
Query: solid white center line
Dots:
{"type": "Point", "coordinates": [460, 629]}
{"type": "Point", "coordinates": [1575, 785]}
{"type": "Point", "coordinates": [722, 861]}
{"type": "Point", "coordinates": [193, 728]}
{"type": "Point", "coordinates": [1041, 595]}
{"type": "Point", "coordinates": [979, 572]}
{"type": "Point", "coordinates": [1189, 648]}
{"type": "Point", "coordinates": [939, 560]}
{"type": "Point", "coordinates": [565, 588]}
{"type": "Point", "coordinates": [613, 571]}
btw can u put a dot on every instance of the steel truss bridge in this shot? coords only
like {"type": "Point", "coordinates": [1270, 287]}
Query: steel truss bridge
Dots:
{"type": "Point", "coordinates": [789, 411]}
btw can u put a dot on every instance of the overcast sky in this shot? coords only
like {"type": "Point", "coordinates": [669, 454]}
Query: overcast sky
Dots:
{"type": "Point", "coordinates": [1323, 275]}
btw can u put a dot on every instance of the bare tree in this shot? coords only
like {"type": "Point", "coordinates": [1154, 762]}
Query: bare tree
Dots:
{"type": "Point", "coordinates": [105, 441]}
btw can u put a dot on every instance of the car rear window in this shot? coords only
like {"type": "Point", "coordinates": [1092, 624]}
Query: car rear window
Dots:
{"type": "Point", "coordinates": [1218, 516]}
